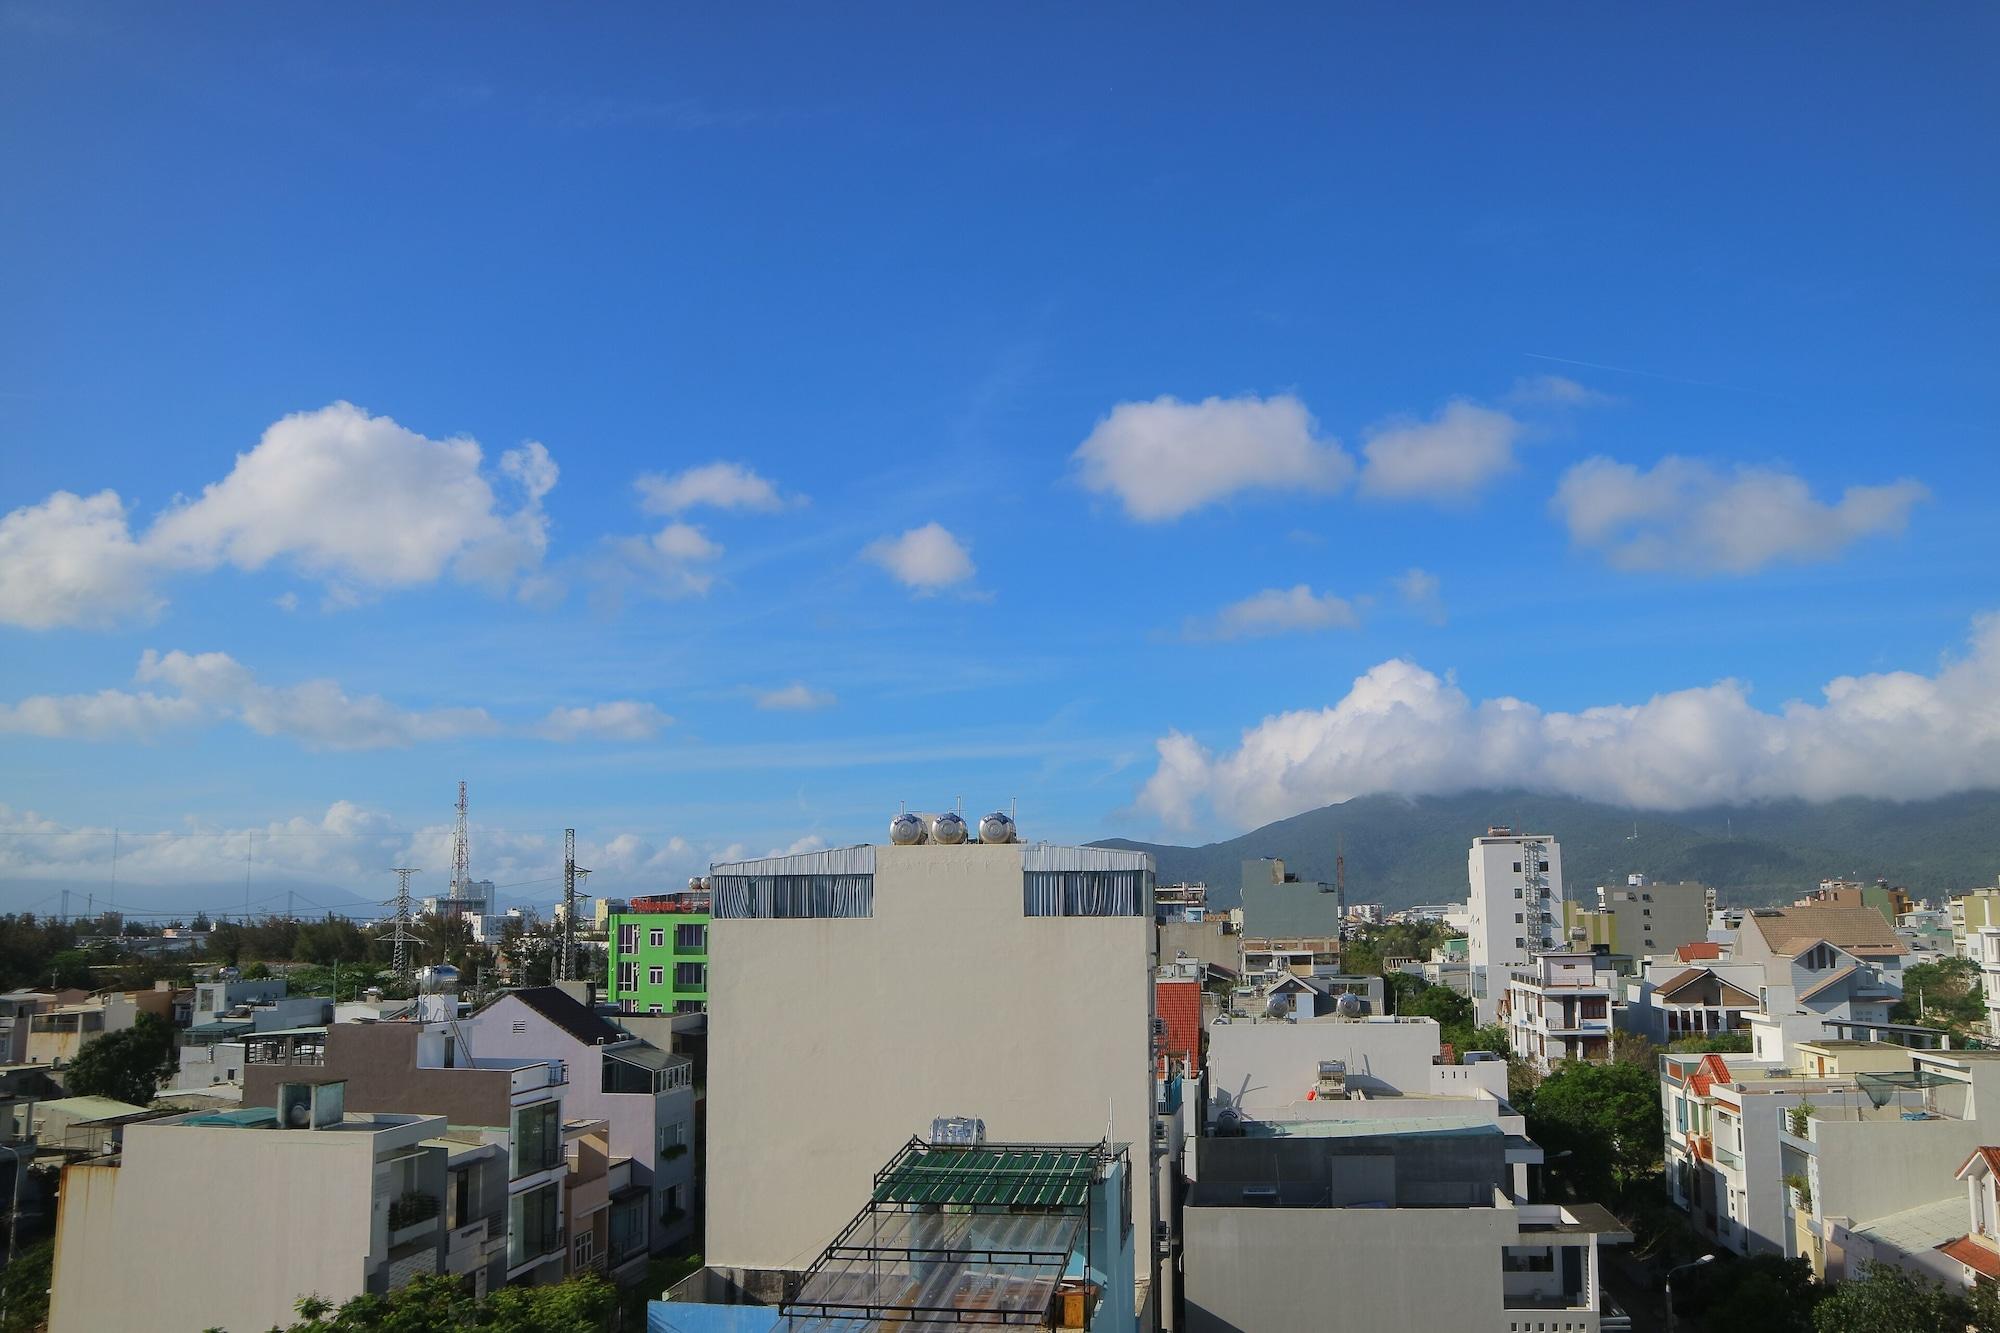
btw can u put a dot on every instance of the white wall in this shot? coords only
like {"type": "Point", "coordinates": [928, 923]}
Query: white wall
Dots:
{"type": "Point", "coordinates": [832, 1042]}
{"type": "Point", "coordinates": [1266, 1067]}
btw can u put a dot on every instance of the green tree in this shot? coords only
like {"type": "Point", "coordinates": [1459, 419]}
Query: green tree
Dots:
{"type": "Point", "coordinates": [70, 968]}
{"type": "Point", "coordinates": [1764, 1293]}
{"type": "Point", "coordinates": [440, 1304]}
{"type": "Point", "coordinates": [1634, 1048]}
{"type": "Point", "coordinates": [1888, 1300]}
{"type": "Point", "coordinates": [127, 1066]}
{"type": "Point", "coordinates": [1606, 1117]}
{"type": "Point", "coordinates": [1724, 1043]}
{"type": "Point", "coordinates": [1946, 993]}
{"type": "Point", "coordinates": [24, 1289]}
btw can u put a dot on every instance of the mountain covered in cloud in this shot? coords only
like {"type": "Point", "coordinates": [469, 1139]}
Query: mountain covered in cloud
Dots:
{"type": "Point", "coordinates": [1401, 851]}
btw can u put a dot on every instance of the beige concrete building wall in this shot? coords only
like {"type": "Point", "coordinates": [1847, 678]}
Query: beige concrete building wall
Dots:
{"type": "Point", "coordinates": [205, 1227]}
{"type": "Point", "coordinates": [832, 1042]}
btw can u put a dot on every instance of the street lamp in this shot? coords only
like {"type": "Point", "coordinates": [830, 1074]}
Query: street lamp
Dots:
{"type": "Point", "coordinates": [1705, 1259]}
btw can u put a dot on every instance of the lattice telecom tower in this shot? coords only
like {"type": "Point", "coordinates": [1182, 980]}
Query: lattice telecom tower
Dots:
{"type": "Point", "coordinates": [566, 959]}
{"type": "Point", "coordinates": [400, 935]}
{"type": "Point", "coordinates": [461, 850]}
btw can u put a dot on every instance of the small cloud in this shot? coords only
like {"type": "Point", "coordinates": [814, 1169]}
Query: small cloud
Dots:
{"type": "Point", "coordinates": [1446, 459]}
{"type": "Point", "coordinates": [1167, 458]}
{"type": "Point", "coordinates": [1689, 516]}
{"type": "Point", "coordinates": [926, 559]}
{"type": "Point", "coordinates": [1297, 610]}
{"type": "Point", "coordinates": [1419, 589]}
{"type": "Point", "coordinates": [621, 720]}
{"type": "Point", "coordinates": [288, 601]}
{"type": "Point", "coordinates": [796, 697]}
{"type": "Point", "coordinates": [716, 485]}
{"type": "Point", "coordinates": [1555, 391]}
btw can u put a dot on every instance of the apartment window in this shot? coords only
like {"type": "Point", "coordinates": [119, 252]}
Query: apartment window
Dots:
{"type": "Point", "coordinates": [673, 1136]}
{"type": "Point", "coordinates": [461, 1199]}
{"type": "Point", "coordinates": [1541, 866]}
{"type": "Point", "coordinates": [670, 1204]}
{"type": "Point", "coordinates": [1646, 911]}
{"type": "Point", "coordinates": [690, 976]}
{"type": "Point", "coordinates": [628, 976]}
{"type": "Point", "coordinates": [1520, 943]}
{"type": "Point", "coordinates": [687, 1006]}
{"type": "Point", "coordinates": [655, 1009]}
{"type": "Point", "coordinates": [656, 976]}
{"type": "Point", "coordinates": [537, 1139]}
{"type": "Point", "coordinates": [1517, 918]}
{"type": "Point", "coordinates": [1517, 867]}
{"type": "Point", "coordinates": [657, 939]}
{"type": "Point", "coordinates": [794, 896]}
{"type": "Point", "coordinates": [1646, 897]}
{"type": "Point", "coordinates": [628, 939]}
{"type": "Point", "coordinates": [584, 1252]}
{"type": "Point", "coordinates": [1084, 892]}
{"type": "Point", "coordinates": [689, 938]}
{"type": "Point", "coordinates": [534, 1224]}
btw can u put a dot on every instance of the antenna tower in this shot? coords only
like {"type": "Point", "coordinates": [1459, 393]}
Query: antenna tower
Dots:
{"type": "Point", "coordinates": [461, 850]}
{"type": "Point", "coordinates": [1340, 875]}
{"type": "Point", "coordinates": [401, 936]}
{"type": "Point", "coordinates": [566, 960]}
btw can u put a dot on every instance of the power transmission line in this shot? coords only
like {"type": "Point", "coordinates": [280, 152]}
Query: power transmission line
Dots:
{"type": "Point", "coordinates": [401, 936]}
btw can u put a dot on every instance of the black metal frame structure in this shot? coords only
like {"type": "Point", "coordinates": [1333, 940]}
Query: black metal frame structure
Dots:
{"type": "Point", "coordinates": [1042, 1193]}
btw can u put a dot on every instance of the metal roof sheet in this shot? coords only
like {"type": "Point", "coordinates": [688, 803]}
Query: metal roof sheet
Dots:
{"type": "Point", "coordinates": [989, 1177]}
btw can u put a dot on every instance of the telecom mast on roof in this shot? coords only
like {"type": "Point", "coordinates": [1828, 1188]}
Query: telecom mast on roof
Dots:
{"type": "Point", "coordinates": [461, 851]}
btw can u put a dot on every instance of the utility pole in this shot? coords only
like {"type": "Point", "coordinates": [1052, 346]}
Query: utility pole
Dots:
{"type": "Point", "coordinates": [402, 938]}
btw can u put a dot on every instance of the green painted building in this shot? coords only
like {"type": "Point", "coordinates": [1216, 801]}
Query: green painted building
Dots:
{"type": "Point", "coordinates": [659, 961]}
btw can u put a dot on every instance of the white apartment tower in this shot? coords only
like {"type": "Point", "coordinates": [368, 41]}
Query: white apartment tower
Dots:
{"type": "Point", "coordinates": [1515, 902]}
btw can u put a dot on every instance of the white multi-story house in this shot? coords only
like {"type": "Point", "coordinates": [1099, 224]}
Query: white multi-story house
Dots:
{"type": "Point", "coordinates": [1558, 1008]}
{"type": "Point", "coordinates": [1985, 949]}
{"type": "Point", "coordinates": [1514, 908]}
{"type": "Point", "coordinates": [1670, 1000]}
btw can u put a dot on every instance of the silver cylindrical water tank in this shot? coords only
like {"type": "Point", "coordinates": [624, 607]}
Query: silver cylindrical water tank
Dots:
{"type": "Point", "coordinates": [997, 827]}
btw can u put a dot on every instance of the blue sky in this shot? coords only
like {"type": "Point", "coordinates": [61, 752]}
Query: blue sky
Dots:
{"type": "Point", "coordinates": [1662, 346]}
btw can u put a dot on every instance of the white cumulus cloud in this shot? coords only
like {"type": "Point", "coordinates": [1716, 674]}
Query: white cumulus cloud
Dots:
{"type": "Point", "coordinates": [1400, 728]}
{"type": "Point", "coordinates": [1166, 458]}
{"type": "Point", "coordinates": [796, 697]}
{"type": "Point", "coordinates": [1688, 515]}
{"type": "Point", "coordinates": [71, 560]}
{"type": "Point", "coordinates": [1448, 458]}
{"type": "Point", "coordinates": [1421, 592]}
{"type": "Point", "coordinates": [926, 559]}
{"type": "Point", "coordinates": [1294, 610]}
{"type": "Point", "coordinates": [620, 720]}
{"type": "Point", "coordinates": [717, 485]}
{"type": "Point", "coordinates": [357, 501]}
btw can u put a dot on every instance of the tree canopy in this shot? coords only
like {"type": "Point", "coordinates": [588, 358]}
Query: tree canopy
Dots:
{"type": "Point", "coordinates": [1946, 993]}
{"type": "Point", "coordinates": [1888, 1300]}
{"type": "Point", "coordinates": [127, 1066]}
{"type": "Point", "coordinates": [1606, 1117]}
{"type": "Point", "coordinates": [440, 1304]}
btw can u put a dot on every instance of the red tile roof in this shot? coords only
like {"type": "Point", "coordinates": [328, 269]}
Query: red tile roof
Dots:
{"type": "Point", "coordinates": [1178, 1004]}
{"type": "Point", "coordinates": [1691, 953]}
{"type": "Point", "coordinates": [1992, 1156]}
{"type": "Point", "coordinates": [1981, 1259]}
{"type": "Point", "coordinates": [1710, 1071]}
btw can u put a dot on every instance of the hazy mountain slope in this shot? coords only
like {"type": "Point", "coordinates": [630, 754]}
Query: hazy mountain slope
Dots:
{"type": "Point", "coordinates": [1408, 850]}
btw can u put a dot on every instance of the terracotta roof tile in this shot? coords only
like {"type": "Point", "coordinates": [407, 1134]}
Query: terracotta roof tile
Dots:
{"type": "Point", "coordinates": [1693, 953]}
{"type": "Point", "coordinates": [1792, 930]}
{"type": "Point", "coordinates": [1992, 1156]}
{"type": "Point", "coordinates": [1178, 1004]}
{"type": "Point", "coordinates": [1981, 1259]}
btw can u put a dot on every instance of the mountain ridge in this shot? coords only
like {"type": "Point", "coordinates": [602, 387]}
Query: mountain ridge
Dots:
{"type": "Point", "coordinates": [1405, 850]}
